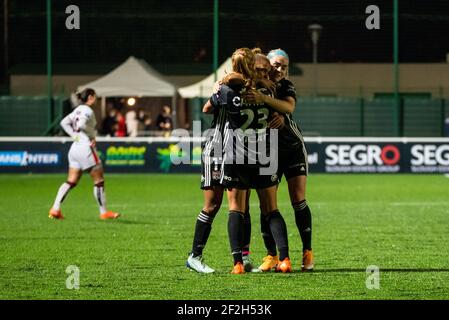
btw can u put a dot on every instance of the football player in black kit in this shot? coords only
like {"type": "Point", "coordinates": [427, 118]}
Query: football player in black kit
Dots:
{"type": "Point", "coordinates": [212, 154]}
{"type": "Point", "coordinates": [212, 189]}
{"type": "Point", "coordinates": [292, 161]}
{"type": "Point", "coordinates": [246, 145]}
{"type": "Point", "coordinates": [211, 160]}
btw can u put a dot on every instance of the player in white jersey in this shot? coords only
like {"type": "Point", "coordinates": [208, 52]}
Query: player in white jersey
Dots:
{"type": "Point", "coordinates": [80, 125]}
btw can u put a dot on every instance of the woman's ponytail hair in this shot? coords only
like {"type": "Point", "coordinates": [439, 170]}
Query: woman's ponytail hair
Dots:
{"type": "Point", "coordinates": [84, 95]}
{"type": "Point", "coordinates": [243, 60]}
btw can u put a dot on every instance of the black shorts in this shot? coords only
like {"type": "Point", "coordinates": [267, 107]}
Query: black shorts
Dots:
{"type": "Point", "coordinates": [210, 172]}
{"type": "Point", "coordinates": [293, 163]}
{"type": "Point", "coordinates": [246, 177]}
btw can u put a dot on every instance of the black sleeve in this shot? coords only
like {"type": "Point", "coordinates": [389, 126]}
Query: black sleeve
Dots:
{"type": "Point", "coordinates": [285, 89]}
{"type": "Point", "coordinates": [215, 100]}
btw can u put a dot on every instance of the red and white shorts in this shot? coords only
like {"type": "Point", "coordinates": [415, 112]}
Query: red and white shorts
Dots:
{"type": "Point", "coordinates": [83, 156]}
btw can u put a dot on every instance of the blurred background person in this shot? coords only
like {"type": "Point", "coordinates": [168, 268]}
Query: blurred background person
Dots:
{"type": "Point", "coordinates": [164, 121]}
{"type": "Point", "coordinates": [121, 125]}
{"type": "Point", "coordinates": [132, 124]}
{"type": "Point", "coordinates": [145, 122]}
{"type": "Point", "coordinates": [109, 125]}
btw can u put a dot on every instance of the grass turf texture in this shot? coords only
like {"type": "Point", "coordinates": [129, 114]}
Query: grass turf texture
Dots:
{"type": "Point", "coordinates": [396, 222]}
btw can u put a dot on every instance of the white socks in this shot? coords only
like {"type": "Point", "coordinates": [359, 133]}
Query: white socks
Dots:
{"type": "Point", "coordinates": [62, 193]}
{"type": "Point", "coordinates": [100, 196]}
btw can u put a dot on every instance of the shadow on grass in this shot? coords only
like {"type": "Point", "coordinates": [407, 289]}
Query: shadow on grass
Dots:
{"type": "Point", "coordinates": [124, 221]}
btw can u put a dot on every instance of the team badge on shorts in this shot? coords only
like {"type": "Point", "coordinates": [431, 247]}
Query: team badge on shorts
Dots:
{"type": "Point", "coordinates": [216, 175]}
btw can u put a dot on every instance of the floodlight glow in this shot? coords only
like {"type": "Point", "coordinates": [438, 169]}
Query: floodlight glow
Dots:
{"type": "Point", "coordinates": [131, 102]}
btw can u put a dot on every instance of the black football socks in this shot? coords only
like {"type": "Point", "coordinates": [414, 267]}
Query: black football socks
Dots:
{"type": "Point", "coordinates": [279, 231]}
{"type": "Point", "coordinates": [268, 239]}
{"type": "Point", "coordinates": [202, 232]}
{"type": "Point", "coordinates": [235, 233]}
{"type": "Point", "coordinates": [246, 233]}
{"type": "Point", "coordinates": [303, 218]}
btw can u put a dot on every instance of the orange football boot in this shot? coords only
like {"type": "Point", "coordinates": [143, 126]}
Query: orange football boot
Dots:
{"type": "Point", "coordinates": [238, 268]}
{"type": "Point", "coordinates": [269, 262]}
{"type": "Point", "coordinates": [55, 214]}
{"type": "Point", "coordinates": [307, 261]}
{"type": "Point", "coordinates": [109, 215]}
{"type": "Point", "coordinates": [285, 266]}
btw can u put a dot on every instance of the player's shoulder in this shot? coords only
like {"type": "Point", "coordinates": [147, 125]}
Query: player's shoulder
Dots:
{"type": "Point", "coordinates": [84, 110]}
{"type": "Point", "coordinates": [286, 83]}
{"type": "Point", "coordinates": [230, 88]}
{"type": "Point", "coordinates": [286, 88]}
{"type": "Point", "coordinates": [227, 92]}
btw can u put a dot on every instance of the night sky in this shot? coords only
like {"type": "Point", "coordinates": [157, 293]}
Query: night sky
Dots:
{"type": "Point", "coordinates": [180, 32]}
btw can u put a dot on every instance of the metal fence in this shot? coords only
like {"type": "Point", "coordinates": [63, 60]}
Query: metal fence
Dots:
{"type": "Point", "coordinates": [357, 117]}
{"type": "Point", "coordinates": [29, 116]}
{"type": "Point", "coordinates": [316, 116]}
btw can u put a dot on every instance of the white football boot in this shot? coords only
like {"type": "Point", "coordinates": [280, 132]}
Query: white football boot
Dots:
{"type": "Point", "coordinates": [197, 264]}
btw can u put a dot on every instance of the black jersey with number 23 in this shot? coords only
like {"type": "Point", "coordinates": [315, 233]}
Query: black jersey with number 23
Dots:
{"type": "Point", "coordinates": [245, 134]}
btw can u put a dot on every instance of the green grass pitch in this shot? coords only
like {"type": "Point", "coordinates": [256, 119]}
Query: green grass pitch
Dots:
{"type": "Point", "coordinates": [399, 223]}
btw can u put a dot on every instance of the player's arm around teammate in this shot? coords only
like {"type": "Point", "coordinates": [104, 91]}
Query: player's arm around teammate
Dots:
{"type": "Point", "coordinates": [80, 125]}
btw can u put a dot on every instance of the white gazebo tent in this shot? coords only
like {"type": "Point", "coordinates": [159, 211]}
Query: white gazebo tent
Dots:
{"type": "Point", "coordinates": [133, 78]}
{"type": "Point", "coordinates": [203, 88]}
